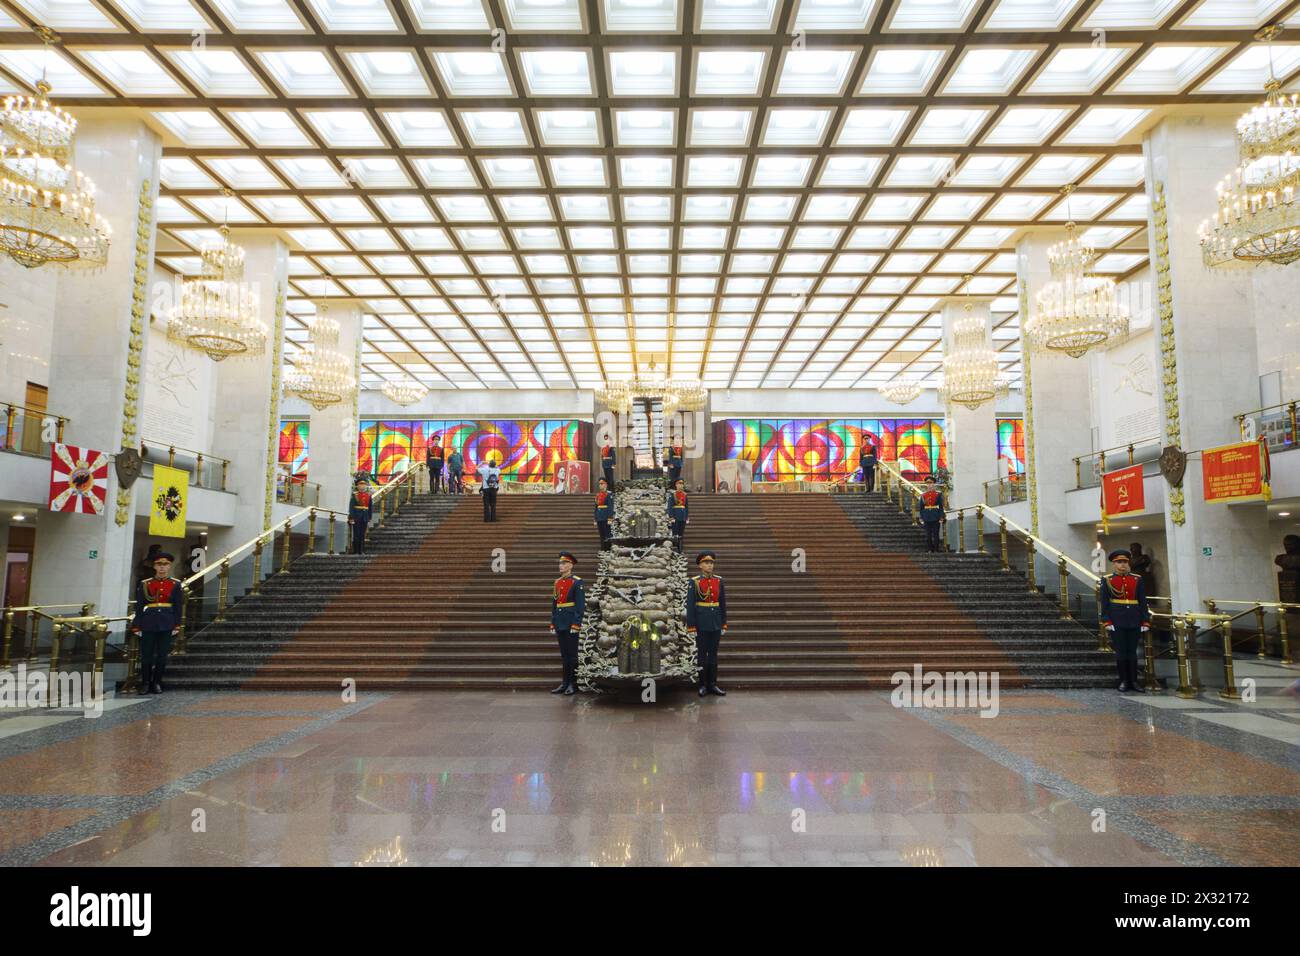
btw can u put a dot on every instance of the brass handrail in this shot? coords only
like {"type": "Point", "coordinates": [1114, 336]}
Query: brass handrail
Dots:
{"type": "Point", "coordinates": [199, 458]}
{"type": "Point", "coordinates": [1257, 608]}
{"type": "Point", "coordinates": [12, 407]}
{"type": "Point", "coordinates": [1102, 453]}
{"type": "Point", "coordinates": [1291, 411]}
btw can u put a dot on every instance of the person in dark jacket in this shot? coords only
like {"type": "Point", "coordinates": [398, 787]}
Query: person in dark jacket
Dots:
{"type": "Point", "coordinates": [360, 508]}
{"type": "Point", "coordinates": [567, 607]}
{"type": "Point", "coordinates": [933, 514]}
{"type": "Point", "coordinates": [1125, 615]}
{"type": "Point", "coordinates": [706, 620]}
{"type": "Point", "coordinates": [455, 473]}
{"type": "Point", "coordinates": [158, 603]}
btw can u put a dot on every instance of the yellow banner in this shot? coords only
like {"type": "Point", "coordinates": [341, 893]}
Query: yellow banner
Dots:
{"type": "Point", "coordinates": [171, 488]}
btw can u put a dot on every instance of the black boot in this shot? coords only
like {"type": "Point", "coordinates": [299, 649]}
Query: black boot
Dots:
{"type": "Point", "coordinates": [713, 679]}
{"type": "Point", "coordinates": [146, 680]}
{"type": "Point", "coordinates": [1134, 684]}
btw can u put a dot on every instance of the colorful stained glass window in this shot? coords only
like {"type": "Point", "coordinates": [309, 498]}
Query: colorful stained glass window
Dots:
{"type": "Point", "coordinates": [1011, 446]}
{"type": "Point", "coordinates": [293, 448]}
{"type": "Point", "coordinates": [785, 449]}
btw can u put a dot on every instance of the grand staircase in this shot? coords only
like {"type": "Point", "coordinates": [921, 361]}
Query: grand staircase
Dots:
{"type": "Point", "coordinates": [824, 591]}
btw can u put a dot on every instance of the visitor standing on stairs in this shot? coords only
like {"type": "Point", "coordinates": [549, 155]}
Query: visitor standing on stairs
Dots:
{"type": "Point", "coordinates": [157, 619]}
{"type": "Point", "coordinates": [933, 515]}
{"type": "Point", "coordinates": [604, 513]}
{"type": "Point", "coordinates": [706, 620]}
{"type": "Point", "coordinates": [607, 459]}
{"type": "Point", "coordinates": [867, 462]}
{"type": "Point", "coordinates": [1126, 616]}
{"type": "Point", "coordinates": [455, 472]}
{"type": "Point", "coordinates": [679, 513]}
{"type": "Point", "coordinates": [433, 457]}
{"type": "Point", "coordinates": [360, 508]}
{"type": "Point", "coordinates": [489, 474]}
{"type": "Point", "coordinates": [567, 606]}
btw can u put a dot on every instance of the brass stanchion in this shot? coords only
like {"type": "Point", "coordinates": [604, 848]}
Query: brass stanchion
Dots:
{"type": "Point", "coordinates": [1193, 658]}
{"type": "Point", "coordinates": [331, 533]}
{"type": "Point", "coordinates": [224, 466]}
{"type": "Point", "coordinates": [1259, 619]}
{"type": "Point", "coordinates": [311, 531]}
{"type": "Point", "coordinates": [54, 663]}
{"type": "Point", "coordinates": [1185, 689]}
{"type": "Point", "coordinates": [916, 509]}
{"type": "Point", "coordinates": [1078, 473]}
{"type": "Point", "coordinates": [171, 456]}
{"type": "Point", "coordinates": [132, 661]}
{"type": "Point", "coordinates": [1103, 638]}
{"type": "Point", "coordinates": [979, 529]}
{"type": "Point", "coordinates": [223, 585]}
{"type": "Point", "coordinates": [1002, 532]}
{"type": "Point", "coordinates": [1065, 587]}
{"type": "Point", "coordinates": [58, 427]}
{"type": "Point", "coordinates": [1031, 573]}
{"type": "Point", "coordinates": [1229, 691]}
{"type": "Point", "coordinates": [181, 630]}
{"type": "Point", "coordinates": [961, 530]}
{"type": "Point", "coordinates": [101, 639]}
{"type": "Point", "coordinates": [1152, 685]}
{"type": "Point", "coordinates": [257, 566]}
{"type": "Point", "coordinates": [8, 636]}
{"type": "Point", "coordinates": [284, 556]}
{"type": "Point", "coordinates": [1282, 634]}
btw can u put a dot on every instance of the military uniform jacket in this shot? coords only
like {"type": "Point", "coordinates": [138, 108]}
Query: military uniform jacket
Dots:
{"type": "Point", "coordinates": [607, 457]}
{"type": "Point", "coordinates": [434, 457]}
{"type": "Point", "coordinates": [604, 505]}
{"type": "Point", "coordinates": [706, 604]}
{"type": "Point", "coordinates": [359, 507]}
{"type": "Point", "coordinates": [932, 506]}
{"type": "Point", "coordinates": [1124, 601]}
{"type": "Point", "coordinates": [158, 604]}
{"type": "Point", "coordinates": [867, 460]}
{"type": "Point", "coordinates": [674, 455]}
{"type": "Point", "coordinates": [567, 604]}
{"type": "Point", "coordinates": [677, 506]}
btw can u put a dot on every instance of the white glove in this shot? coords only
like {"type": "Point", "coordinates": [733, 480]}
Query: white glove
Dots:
{"type": "Point", "coordinates": [1110, 627]}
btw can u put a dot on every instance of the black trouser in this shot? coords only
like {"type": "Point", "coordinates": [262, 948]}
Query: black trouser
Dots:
{"type": "Point", "coordinates": [603, 528]}
{"type": "Point", "coordinates": [154, 648]}
{"type": "Point", "coordinates": [609, 477]}
{"type": "Point", "coordinates": [868, 479]}
{"type": "Point", "coordinates": [706, 652]}
{"type": "Point", "coordinates": [1125, 641]}
{"type": "Point", "coordinates": [490, 504]}
{"type": "Point", "coordinates": [359, 535]}
{"type": "Point", "coordinates": [674, 472]}
{"type": "Point", "coordinates": [454, 484]}
{"type": "Point", "coordinates": [568, 641]}
{"type": "Point", "coordinates": [932, 540]}
{"type": "Point", "coordinates": [435, 477]}
{"type": "Point", "coordinates": [679, 532]}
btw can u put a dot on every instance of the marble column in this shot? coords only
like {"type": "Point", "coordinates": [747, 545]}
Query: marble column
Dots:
{"type": "Point", "coordinates": [1057, 397]}
{"type": "Point", "coordinates": [97, 357]}
{"type": "Point", "coordinates": [971, 433]}
{"type": "Point", "coordinates": [1211, 362]}
{"type": "Point", "coordinates": [247, 405]}
{"type": "Point", "coordinates": [332, 434]}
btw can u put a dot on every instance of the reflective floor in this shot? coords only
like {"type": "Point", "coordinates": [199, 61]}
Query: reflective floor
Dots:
{"type": "Point", "coordinates": [1060, 778]}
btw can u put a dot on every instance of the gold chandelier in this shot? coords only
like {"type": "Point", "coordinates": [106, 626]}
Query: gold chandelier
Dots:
{"type": "Point", "coordinates": [47, 208]}
{"type": "Point", "coordinates": [322, 375]}
{"type": "Point", "coordinates": [901, 391]}
{"type": "Point", "coordinates": [218, 313]}
{"type": "Point", "coordinates": [971, 375]}
{"type": "Point", "coordinates": [1075, 311]}
{"type": "Point", "coordinates": [404, 392]}
{"type": "Point", "coordinates": [1258, 218]}
{"type": "Point", "coordinates": [677, 394]}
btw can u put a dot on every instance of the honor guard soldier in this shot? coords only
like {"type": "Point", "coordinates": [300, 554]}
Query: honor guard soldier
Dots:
{"type": "Point", "coordinates": [679, 512]}
{"type": "Point", "coordinates": [360, 509]}
{"type": "Point", "coordinates": [674, 459]}
{"type": "Point", "coordinates": [933, 515]}
{"type": "Point", "coordinates": [607, 459]}
{"type": "Point", "coordinates": [433, 458]}
{"type": "Point", "coordinates": [567, 606]}
{"type": "Point", "coordinates": [706, 619]}
{"type": "Point", "coordinates": [158, 602]}
{"type": "Point", "coordinates": [1125, 614]}
{"type": "Point", "coordinates": [867, 462]}
{"type": "Point", "coordinates": [604, 512]}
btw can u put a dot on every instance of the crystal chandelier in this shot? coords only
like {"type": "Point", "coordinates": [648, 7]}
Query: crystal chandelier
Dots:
{"type": "Point", "coordinates": [405, 392]}
{"type": "Point", "coordinates": [901, 391]}
{"type": "Point", "coordinates": [677, 394]}
{"type": "Point", "coordinates": [47, 209]}
{"type": "Point", "coordinates": [971, 375]}
{"type": "Point", "coordinates": [218, 313]}
{"type": "Point", "coordinates": [322, 375]}
{"type": "Point", "coordinates": [1258, 217]}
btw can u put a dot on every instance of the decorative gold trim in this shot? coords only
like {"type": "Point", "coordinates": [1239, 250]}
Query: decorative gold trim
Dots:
{"type": "Point", "coordinates": [1168, 357]}
{"type": "Point", "coordinates": [1031, 470]}
{"type": "Point", "coordinates": [135, 348]}
{"type": "Point", "coordinates": [273, 415]}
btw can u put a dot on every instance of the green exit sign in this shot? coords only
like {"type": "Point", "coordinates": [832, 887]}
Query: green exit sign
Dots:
{"type": "Point", "coordinates": [1207, 552]}
{"type": "Point", "coordinates": [93, 555]}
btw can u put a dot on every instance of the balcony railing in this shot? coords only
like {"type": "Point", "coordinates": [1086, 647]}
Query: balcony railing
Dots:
{"type": "Point", "coordinates": [298, 491]}
{"type": "Point", "coordinates": [1276, 423]}
{"type": "Point", "coordinates": [1005, 491]}
{"type": "Point", "coordinates": [29, 431]}
{"type": "Point", "coordinates": [1088, 469]}
{"type": "Point", "coordinates": [206, 471]}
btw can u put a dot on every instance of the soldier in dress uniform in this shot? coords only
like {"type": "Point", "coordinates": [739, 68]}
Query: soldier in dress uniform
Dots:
{"type": "Point", "coordinates": [867, 462]}
{"type": "Point", "coordinates": [359, 512]}
{"type": "Point", "coordinates": [567, 606]}
{"type": "Point", "coordinates": [433, 458]}
{"type": "Point", "coordinates": [158, 602]}
{"type": "Point", "coordinates": [706, 619]}
{"type": "Point", "coordinates": [607, 460]}
{"type": "Point", "coordinates": [679, 512]}
{"type": "Point", "coordinates": [674, 459]}
{"type": "Point", "coordinates": [933, 515]}
{"type": "Point", "coordinates": [604, 512]}
{"type": "Point", "coordinates": [1125, 614]}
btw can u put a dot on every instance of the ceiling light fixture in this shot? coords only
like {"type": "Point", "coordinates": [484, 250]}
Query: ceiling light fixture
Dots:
{"type": "Point", "coordinates": [971, 375]}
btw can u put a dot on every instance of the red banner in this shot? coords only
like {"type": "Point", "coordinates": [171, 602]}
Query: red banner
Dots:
{"type": "Point", "coordinates": [1122, 492]}
{"type": "Point", "coordinates": [1238, 472]}
{"type": "Point", "coordinates": [78, 479]}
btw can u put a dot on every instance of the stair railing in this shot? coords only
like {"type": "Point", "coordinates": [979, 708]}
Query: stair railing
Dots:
{"type": "Point", "coordinates": [1261, 611]}
{"type": "Point", "coordinates": [399, 491]}
{"type": "Point", "coordinates": [29, 629]}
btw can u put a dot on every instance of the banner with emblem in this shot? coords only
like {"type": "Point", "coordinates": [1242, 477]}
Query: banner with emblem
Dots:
{"type": "Point", "coordinates": [78, 479]}
{"type": "Point", "coordinates": [1237, 472]}
{"type": "Point", "coordinates": [1122, 492]}
{"type": "Point", "coordinates": [171, 488]}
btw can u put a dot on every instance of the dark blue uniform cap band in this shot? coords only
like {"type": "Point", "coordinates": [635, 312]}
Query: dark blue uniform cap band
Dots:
{"type": "Point", "coordinates": [1119, 553]}
{"type": "Point", "coordinates": [704, 554]}
{"type": "Point", "coordinates": [568, 556]}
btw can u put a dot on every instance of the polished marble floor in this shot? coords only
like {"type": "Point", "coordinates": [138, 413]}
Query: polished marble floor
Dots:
{"type": "Point", "coordinates": [836, 778]}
